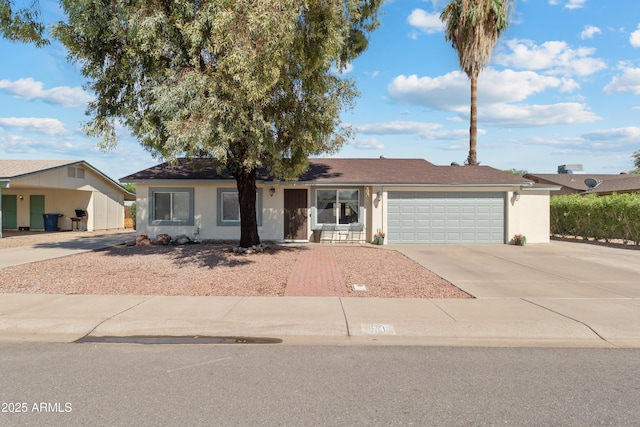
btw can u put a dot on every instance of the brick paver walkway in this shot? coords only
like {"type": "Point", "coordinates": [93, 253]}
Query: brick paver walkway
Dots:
{"type": "Point", "coordinates": [316, 273]}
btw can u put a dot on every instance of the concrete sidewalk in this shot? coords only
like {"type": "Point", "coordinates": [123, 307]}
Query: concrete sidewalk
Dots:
{"type": "Point", "coordinates": [69, 244]}
{"type": "Point", "coordinates": [557, 294]}
{"type": "Point", "coordinates": [327, 320]}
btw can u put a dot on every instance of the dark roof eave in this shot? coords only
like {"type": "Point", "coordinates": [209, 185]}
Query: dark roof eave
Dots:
{"type": "Point", "coordinates": [415, 184]}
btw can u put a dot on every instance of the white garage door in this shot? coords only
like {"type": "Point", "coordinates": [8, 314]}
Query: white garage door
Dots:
{"type": "Point", "coordinates": [428, 217]}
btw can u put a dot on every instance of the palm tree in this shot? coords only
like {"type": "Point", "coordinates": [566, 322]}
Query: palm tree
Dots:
{"type": "Point", "coordinates": [473, 28]}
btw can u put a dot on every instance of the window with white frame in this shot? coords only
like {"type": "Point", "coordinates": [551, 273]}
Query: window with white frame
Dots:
{"type": "Point", "coordinates": [337, 206]}
{"type": "Point", "coordinates": [229, 207]}
{"type": "Point", "coordinates": [171, 206]}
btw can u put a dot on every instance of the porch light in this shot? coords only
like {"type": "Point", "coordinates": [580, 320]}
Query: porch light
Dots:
{"type": "Point", "coordinates": [21, 197]}
{"type": "Point", "coordinates": [516, 195]}
{"type": "Point", "coordinates": [272, 191]}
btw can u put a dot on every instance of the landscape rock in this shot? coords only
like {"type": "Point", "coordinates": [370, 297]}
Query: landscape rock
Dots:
{"type": "Point", "coordinates": [182, 239]}
{"type": "Point", "coordinates": [162, 240]}
{"type": "Point", "coordinates": [142, 240]}
{"type": "Point", "coordinates": [252, 250]}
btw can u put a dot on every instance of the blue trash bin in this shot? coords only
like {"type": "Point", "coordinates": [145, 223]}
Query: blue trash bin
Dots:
{"type": "Point", "coordinates": [51, 221]}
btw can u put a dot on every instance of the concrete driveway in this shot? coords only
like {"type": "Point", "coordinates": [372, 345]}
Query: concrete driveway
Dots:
{"type": "Point", "coordinates": [554, 270]}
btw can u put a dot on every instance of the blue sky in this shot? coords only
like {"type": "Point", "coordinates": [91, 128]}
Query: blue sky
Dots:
{"type": "Point", "coordinates": [563, 87]}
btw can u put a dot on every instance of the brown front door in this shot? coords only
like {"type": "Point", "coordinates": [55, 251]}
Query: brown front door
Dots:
{"type": "Point", "coordinates": [295, 214]}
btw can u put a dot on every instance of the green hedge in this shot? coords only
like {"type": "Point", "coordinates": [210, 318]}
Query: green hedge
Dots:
{"type": "Point", "coordinates": [602, 218]}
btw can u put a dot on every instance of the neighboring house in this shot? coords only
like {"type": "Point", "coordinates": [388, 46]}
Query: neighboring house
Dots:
{"type": "Point", "coordinates": [575, 183]}
{"type": "Point", "coordinates": [31, 188]}
{"type": "Point", "coordinates": [411, 200]}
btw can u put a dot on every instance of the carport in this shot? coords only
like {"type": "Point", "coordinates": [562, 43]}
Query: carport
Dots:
{"type": "Point", "coordinates": [32, 189]}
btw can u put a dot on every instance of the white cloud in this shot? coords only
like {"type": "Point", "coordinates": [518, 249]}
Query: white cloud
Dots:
{"type": "Point", "coordinates": [62, 95]}
{"type": "Point", "coordinates": [45, 126]}
{"type": "Point", "coordinates": [498, 93]}
{"type": "Point", "coordinates": [628, 81]}
{"type": "Point", "coordinates": [575, 4]}
{"type": "Point", "coordinates": [14, 144]}
{"type": "Point", "coordinates": [509, 115]}
{"type": "Point", "coordinates": [346, 69]}
{"type": "Point", "coordinates": [429, 23]}
{"type": "Point", "coordinates": [625, 135]}
{"type": "Point", "coordinates": [368, 144]}
{"type": "Point", "coordinates": [634, 38]}
{"type": "Point", "coordinates": [589, 31]}
{"type": "Point", "coordinates": [552, 57]}
{"type": "Point", "coordinates": [397, 127]}
{"type": "Point", "coordinates": [450, 92]}
{"type": "Point", "coordinates": [421, 129]}
{"type": "Point", "coordinates": [571, 4]}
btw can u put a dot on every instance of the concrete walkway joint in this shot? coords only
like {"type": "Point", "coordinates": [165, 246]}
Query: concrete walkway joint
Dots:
{"type": "Point", "coordinates": [558, 294]}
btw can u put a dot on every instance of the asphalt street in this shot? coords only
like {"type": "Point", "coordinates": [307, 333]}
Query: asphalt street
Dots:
{"type": "Point", "coordinates": [254, 384]}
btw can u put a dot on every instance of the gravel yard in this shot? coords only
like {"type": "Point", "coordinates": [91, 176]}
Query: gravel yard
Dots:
{"type": "Point", "coordinates": [212, 269]}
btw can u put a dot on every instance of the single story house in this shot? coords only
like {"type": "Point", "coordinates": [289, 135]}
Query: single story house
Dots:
{"type": "Point", "coordinates": [410, 200]}
{"type": "Point", "coordinates": [32, 188]}
{"type": "Point", "coordinates": [571, 183]}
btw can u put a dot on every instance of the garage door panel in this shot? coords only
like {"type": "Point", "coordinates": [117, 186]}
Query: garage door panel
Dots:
{"type": "Point", "coordinates": [470, 210]}
{"type": "Point", "coordinates": [408, 210]}
{"type": "Point", "coordinates": [393, 209]}
{"type": "Point", "coordinates": [408, 223]}
{"type": "Point", "coordinates": [453, 223]}
{"type": "Point", "coordinates": [428, 217]}
{"type": "Point", "coordinates": [437, 223]}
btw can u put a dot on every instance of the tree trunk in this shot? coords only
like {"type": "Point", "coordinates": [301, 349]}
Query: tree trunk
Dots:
{"type": "Point", "coordinates": [246, 182]}
{"type": "Point", "coordinates": [473, 128]}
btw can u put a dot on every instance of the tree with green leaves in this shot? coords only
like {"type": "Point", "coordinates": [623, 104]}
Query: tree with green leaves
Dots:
{"type": "Point", "coordinates": [21, 24]}
{"type": "Point", "coordinates": [473, 28]}
{"type": "Point", "coordinates": [636, 161]}
{"type": "Point", "coordinates": [517, 172]}
{"type": "Point", "coordinates": [247, 82]}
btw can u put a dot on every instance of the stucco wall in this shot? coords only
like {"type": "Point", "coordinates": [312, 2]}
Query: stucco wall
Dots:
{"type": "Point", "coordinates": [528, 214]}
{"type": "Point", "coordinates": [206, 211]}
{"type": "Point", "coordinates": [63, 195]}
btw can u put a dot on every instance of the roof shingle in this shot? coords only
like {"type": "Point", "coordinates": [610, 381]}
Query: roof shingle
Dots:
{"type": "Point", "coordinates": [611, 183]}
{"type": "Point", "coordinates": [343, 171]}
{"type": "Point", "coordinates": [17, 168]}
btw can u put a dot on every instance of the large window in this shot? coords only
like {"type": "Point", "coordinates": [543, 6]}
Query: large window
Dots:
{"type": "Point", "coordinates": [171, 206]}
{"type": "Point", "coordinates": [337, 206]}
{"type": "Point", "coordinates": [229, 207]}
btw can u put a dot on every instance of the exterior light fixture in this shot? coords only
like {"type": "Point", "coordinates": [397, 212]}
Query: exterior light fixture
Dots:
{"type": "Point", "coordinates": [272, 191]}
{"type": "Point", "coordinates": [21, 197]}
